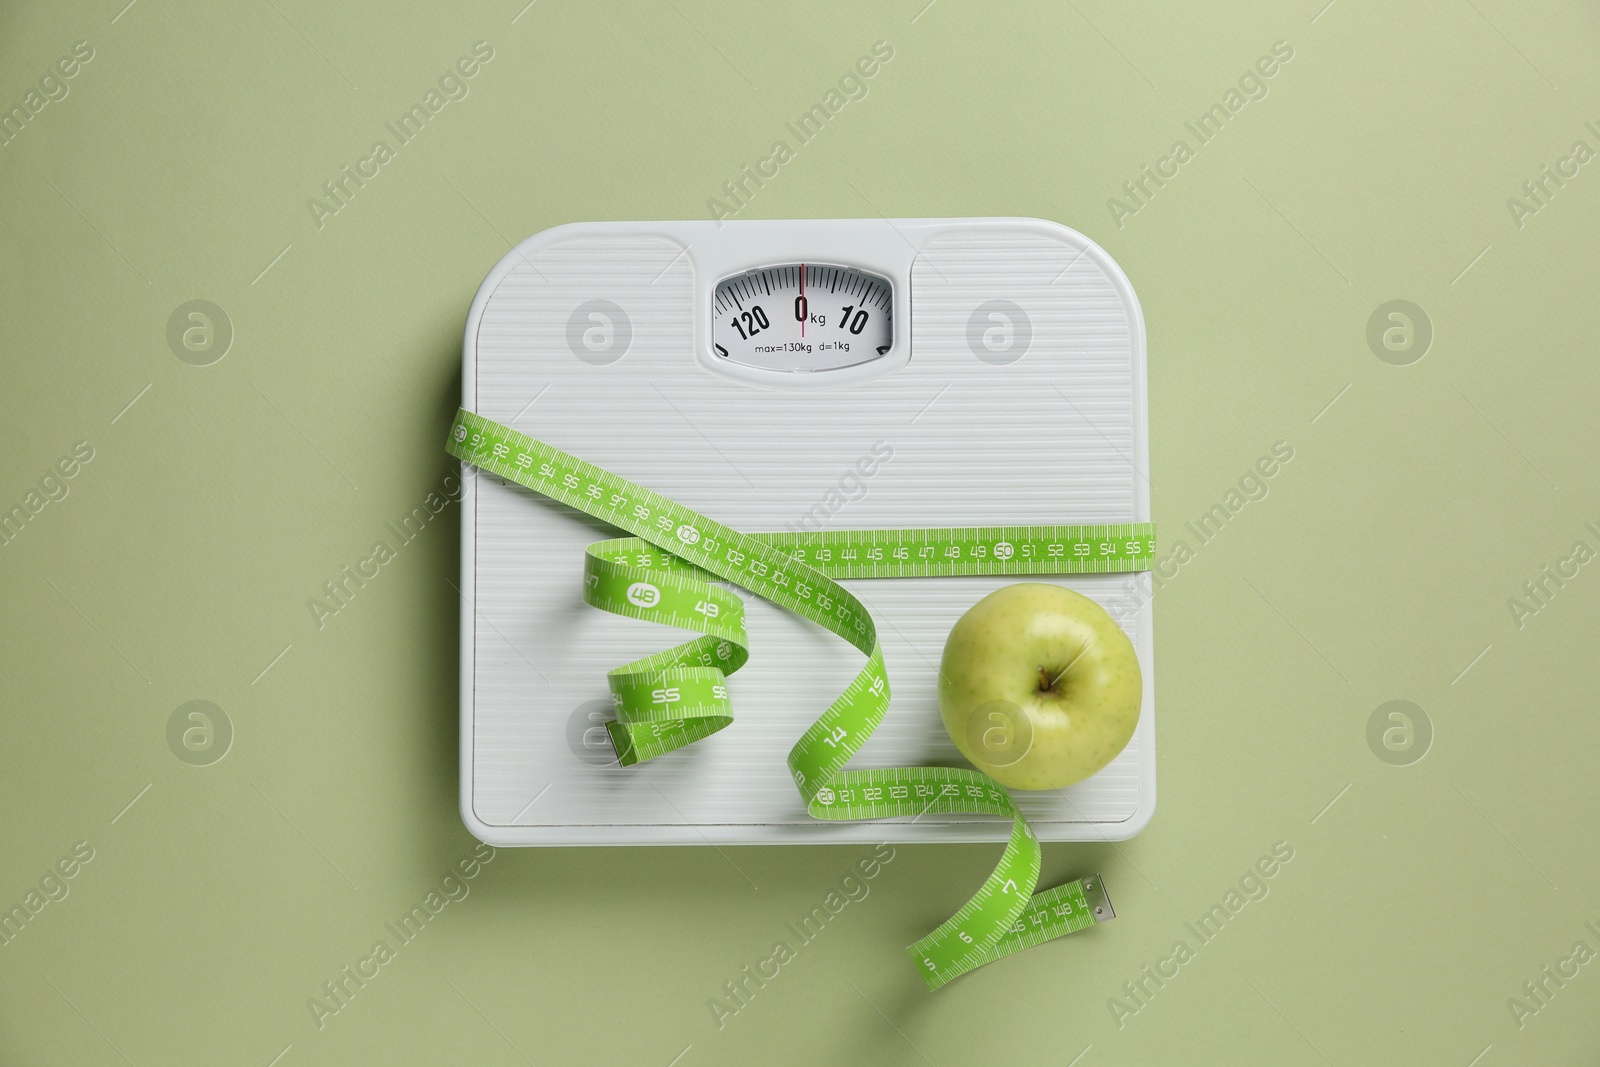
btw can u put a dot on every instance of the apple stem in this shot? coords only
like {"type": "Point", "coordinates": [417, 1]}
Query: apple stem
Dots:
{"type": "Point", "coordinates": [1045, 681]}
{"type": "Point", "coordinates": [1064, 670]}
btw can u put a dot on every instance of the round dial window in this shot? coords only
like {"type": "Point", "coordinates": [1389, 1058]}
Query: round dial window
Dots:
{"type": "Point", "coordinates": [802, 317]}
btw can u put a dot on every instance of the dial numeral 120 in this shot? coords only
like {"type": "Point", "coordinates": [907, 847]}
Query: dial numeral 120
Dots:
{"type": "Point", "coordinates": [755, 320]}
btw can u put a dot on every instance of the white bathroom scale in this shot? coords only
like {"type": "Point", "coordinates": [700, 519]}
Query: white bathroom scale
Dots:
{"type": "Point", "coordinates": [786, 375]}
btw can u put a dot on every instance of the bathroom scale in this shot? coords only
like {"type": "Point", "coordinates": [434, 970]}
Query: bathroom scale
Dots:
{"type": "Point", "coordinates": [834, 375]}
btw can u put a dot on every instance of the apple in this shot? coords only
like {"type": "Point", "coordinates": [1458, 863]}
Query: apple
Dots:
{"type": "Point", "coordinates": [1038, 686]}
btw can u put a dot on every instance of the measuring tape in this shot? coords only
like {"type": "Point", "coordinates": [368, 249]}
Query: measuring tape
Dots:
{"type": "Point", "coordinates": [663, 574]}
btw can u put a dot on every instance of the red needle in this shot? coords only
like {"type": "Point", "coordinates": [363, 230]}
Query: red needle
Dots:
{"type": "Point", "coordinates": [802, 298]}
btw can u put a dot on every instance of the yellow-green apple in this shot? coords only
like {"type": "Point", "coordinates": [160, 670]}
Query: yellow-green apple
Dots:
{"type": "Point", "coordinates": [1038, 686]}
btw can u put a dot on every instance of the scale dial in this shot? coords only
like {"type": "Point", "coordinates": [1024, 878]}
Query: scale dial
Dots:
{"type": "Point", "coordinates": [802, 317]}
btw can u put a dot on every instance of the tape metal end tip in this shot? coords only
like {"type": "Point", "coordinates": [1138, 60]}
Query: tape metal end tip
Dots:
{"type": "Point", "coordinates": [1099, 901]}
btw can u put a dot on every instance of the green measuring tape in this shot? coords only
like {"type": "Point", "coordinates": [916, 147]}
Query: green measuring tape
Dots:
{"type": "Point", "coordinates": [663, 574]}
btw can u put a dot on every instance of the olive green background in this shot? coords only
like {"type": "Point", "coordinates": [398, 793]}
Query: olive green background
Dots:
{"type": "Point", "coordinates": [1379, 566]}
